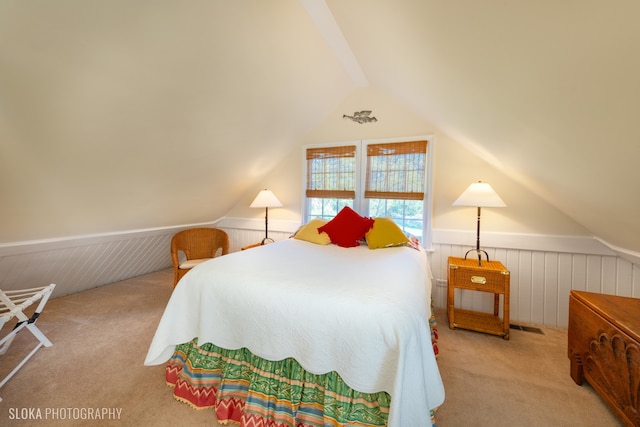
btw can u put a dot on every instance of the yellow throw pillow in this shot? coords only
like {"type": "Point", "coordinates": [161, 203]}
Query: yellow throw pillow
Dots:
{"type": "Point", "coordinates": [309, 232]}
{"type": "Point", "coordinates": [384, 234]}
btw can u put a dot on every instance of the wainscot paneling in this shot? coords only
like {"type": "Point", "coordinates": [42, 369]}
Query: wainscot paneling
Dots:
{"type": "Point", "coordinates": [543, 268]}
{"type": "Point", "coordinates": [83, 262]}
{"type": "Point", "coordinates": [541, 280]}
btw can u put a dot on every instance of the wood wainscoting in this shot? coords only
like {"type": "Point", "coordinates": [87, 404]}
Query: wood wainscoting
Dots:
{"type": "Point", "coordinates": [541, 280]}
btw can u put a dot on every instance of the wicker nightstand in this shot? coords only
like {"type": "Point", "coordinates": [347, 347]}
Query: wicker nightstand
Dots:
{"type": "Point", "coordinates": [492, 277]}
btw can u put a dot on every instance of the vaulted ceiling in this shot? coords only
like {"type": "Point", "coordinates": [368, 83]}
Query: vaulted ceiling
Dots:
{"type": "Point", "coordinates": [546, 91]}
{"type": "Point", "coordinates": [126, 111]}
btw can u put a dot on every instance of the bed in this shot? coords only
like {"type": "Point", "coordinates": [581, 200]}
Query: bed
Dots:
{"type": "Point", "coordinates": [304, 334]}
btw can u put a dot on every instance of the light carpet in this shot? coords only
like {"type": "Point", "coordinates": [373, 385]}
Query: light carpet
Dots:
{"type": "Point", "coordinates": [101, 337]}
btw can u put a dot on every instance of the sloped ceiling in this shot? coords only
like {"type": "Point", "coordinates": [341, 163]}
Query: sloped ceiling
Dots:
{"type": "Point", "coordinates": [118, 115]}
{"type": "Point", "coordinates": [546, 91]}
{"type": "Point", "coordinates": [156, 105]}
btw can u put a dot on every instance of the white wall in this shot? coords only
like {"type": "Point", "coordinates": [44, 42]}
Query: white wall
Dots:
{"type": "Point", "coordinates": [455, 168]}
{"type": "Point", "coordinates": [547, 253]}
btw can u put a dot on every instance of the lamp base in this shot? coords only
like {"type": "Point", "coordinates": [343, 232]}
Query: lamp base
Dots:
{"type": "Point", "coordinates": [266, 240]}
{"type": "Point", "coordinates": [479, 252]}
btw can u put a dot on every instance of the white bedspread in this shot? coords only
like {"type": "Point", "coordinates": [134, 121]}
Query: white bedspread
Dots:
{"type": "Point", "coordinates": [362, 313]}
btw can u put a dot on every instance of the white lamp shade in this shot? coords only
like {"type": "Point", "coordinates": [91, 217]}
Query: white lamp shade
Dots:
{"type": "Point", "coordinates": [480, 194]}
{"type": "Point", "coordinates": [265, 199]}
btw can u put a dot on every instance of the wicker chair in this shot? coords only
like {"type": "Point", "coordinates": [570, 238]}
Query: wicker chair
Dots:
{"type": "Point", "coordinates": [197, 245]}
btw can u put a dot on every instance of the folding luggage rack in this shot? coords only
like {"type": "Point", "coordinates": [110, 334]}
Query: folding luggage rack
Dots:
{"type": "Point", "coordinates": [13, 304]}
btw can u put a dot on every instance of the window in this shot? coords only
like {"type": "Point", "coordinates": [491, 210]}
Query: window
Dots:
{"type": "Point", "coordinates": [331, 180]}
{"type": "Point", "coordinates": [376, 178]}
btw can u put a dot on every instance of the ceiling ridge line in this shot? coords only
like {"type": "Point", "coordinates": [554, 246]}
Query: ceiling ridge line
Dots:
{"type": "Point", "coordinates": [325, 22]}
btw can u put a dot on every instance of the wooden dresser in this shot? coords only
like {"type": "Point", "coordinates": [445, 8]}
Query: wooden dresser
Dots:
{"type": "Point", "coordinates": [604, 348]}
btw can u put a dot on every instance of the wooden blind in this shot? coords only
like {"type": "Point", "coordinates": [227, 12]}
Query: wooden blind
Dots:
{"type": "Point", "coordinates": [331, 172]}
{"type": "Point", "coordinates": [396, 170]}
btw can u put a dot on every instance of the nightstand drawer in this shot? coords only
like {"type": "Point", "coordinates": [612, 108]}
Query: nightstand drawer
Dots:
{"type": "Point", "coordinates": [478, 280]}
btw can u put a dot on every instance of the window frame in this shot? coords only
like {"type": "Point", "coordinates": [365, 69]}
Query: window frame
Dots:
{"type": "Point", "coordinates": [360, 203]}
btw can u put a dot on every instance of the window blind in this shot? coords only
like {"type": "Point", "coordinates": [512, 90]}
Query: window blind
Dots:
{"type": "Point", "coordinates": [331, 172]}
{"type": "Point", "coordinates": [396, 170]}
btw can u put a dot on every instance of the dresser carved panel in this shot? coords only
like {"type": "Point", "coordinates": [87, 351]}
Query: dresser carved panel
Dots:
{"type": "Point", "coordinates": [604, 349]}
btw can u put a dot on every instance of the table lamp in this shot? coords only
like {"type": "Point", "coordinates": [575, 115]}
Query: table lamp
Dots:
{"type": "Point", "coordinates": [480, 195]}
{"type": "Point", "coordinates": [266, 199]}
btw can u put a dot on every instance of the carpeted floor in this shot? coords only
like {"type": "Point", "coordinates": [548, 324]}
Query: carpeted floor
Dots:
{"type": "Point", "coordinates": [520, 382]}
{"type": "Point", "coordinates": [101, 337]}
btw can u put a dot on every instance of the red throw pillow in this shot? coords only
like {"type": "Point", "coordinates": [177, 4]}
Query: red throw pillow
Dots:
{"type": "Point", "coordinates": [347, 228]}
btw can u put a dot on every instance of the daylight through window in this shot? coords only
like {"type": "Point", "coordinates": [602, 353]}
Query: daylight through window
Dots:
{"type": "Point", "coordinates": [389, 179]}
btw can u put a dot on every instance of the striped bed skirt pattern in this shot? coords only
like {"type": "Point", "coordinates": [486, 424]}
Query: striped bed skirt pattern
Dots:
{"type": "Point", "coordinates": [250, 391]}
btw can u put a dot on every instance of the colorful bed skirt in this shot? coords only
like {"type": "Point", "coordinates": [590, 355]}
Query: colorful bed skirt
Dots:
{"type": "Point", "coordinates": [246, 389]}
